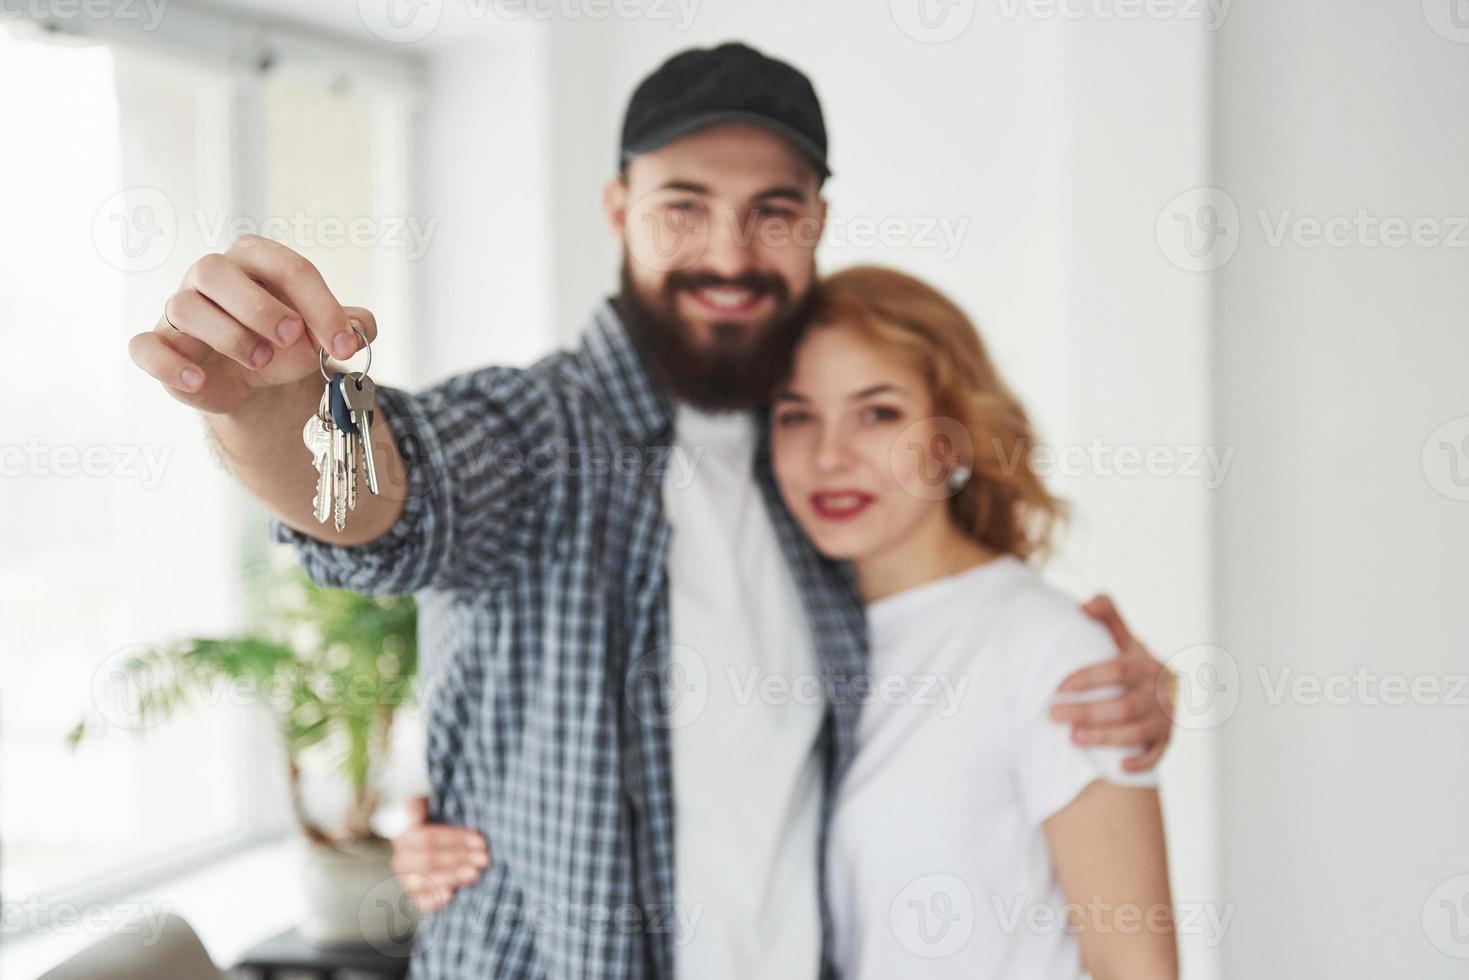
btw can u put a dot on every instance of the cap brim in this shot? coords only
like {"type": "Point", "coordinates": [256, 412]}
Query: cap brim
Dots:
{"type": "Point", "coordinates": [662, 137]}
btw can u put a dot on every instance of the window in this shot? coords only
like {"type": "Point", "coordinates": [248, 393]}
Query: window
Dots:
{"type": "Point", "coordinates": [120, 531]}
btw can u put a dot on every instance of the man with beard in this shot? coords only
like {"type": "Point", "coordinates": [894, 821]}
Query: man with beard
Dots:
{"type": "Point", "coordinates": [641, 683]}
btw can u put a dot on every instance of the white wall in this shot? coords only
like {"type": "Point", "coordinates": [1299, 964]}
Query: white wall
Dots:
{"type": "Point", "coordinates": [485, 286]}
{"type": "Point", "coordinates": [1136, 353]}
{"type": "Point", "coordinates": [1336, 548]}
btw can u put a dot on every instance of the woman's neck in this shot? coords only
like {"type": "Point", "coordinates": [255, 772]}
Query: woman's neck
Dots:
{"type": "Point", "coordinates": [939, 549]}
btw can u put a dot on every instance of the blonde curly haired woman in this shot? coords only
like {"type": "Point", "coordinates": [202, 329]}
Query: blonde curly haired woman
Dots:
{"type": "Point", "coordinates": [972, 836]}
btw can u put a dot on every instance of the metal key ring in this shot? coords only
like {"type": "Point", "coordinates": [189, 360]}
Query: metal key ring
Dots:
{"type": "Point", "coordinates": [321, 353]}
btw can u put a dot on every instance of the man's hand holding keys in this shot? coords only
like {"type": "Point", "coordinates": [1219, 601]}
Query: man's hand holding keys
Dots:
{"type": "Point", "coordinates": [240, 341]}
{"type": "Point", "coordinates": [248, 319]}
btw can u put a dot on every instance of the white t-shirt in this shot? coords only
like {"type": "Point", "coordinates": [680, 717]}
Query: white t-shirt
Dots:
{"type": "Point", "coordinates": [938, 861]}
{"type": "Point", "coordinates": [746, 776]}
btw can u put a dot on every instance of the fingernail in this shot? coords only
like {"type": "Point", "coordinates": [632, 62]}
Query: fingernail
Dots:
{"type": "Point", "coordinates": [191, 377]}
{"type": "Point", "coordinates": [343, 345]}
{"type": "Point", "coordinates": [289, 329]}
{"type": "Point", "coordinates": [467, 875]}
{"type": "Point", "coordinates": [261, 356]}
{"type": "Point", "coordinates": [480, 860]}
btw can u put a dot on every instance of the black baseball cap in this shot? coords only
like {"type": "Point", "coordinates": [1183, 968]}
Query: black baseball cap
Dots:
{"type": "Point", "coordinates": [729, 83]}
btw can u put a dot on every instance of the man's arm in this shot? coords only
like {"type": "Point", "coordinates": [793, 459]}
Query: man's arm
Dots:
{"type": "Point", "coordinates": [263, 446]}
{"type": "Point", "coordinates": [1141, 715]}
{"type": "Point", "coordinates": [239, 341]}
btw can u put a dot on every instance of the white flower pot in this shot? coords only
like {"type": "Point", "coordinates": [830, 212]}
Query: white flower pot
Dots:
{"type": "Point", "coordinates": [352, 896]}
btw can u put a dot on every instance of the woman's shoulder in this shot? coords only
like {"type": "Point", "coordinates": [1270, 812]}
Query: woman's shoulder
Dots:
{"type": "Point", "coordinates": [1042, 627]}
{"type": "Point", "coordinates": [1024, 600]}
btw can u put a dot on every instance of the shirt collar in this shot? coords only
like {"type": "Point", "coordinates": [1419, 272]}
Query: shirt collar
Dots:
{"type": "Point", "coordinates": [639, 404]}
{"type": "Point", "coordinates": [730, 433]}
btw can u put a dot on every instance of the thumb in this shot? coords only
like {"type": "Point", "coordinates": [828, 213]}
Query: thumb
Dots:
{"type": "Point", "coordinates": [365, 319]}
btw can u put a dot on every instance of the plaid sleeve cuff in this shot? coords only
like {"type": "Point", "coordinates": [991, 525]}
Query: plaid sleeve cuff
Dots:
{"type": "Point", "coordinates": [416, 552]}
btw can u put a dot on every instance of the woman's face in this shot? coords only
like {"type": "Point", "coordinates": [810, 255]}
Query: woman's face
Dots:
{"type": "Point", "coordinates": [850, 432]}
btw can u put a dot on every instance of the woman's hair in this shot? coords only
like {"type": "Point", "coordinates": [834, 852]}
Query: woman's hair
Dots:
{"type": "Point", "coordinates": [1005, 505]}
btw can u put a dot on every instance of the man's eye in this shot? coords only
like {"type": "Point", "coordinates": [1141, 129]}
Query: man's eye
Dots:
{"type": "Point", "coordinates": [782, 214]}
{"type": "Point", "coordinates": [788, 419]}
{"type": "Point", "coordinates": [684, 207]}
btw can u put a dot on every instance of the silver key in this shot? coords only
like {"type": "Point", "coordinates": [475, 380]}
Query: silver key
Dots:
{"type": "Point", "coordinates": [348, 449]}
{"type": "Point", "coordinates": [361, 401]}
{"type": "Point", "coordinates": [352, 472]}
{"type": "Point", "coordinates": [317, 435]}
{"type": "Point", "coordinates": [339, 479]}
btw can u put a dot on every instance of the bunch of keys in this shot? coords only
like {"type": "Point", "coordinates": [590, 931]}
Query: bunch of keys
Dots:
{"type": "Point", "coordinates": [339, 436]}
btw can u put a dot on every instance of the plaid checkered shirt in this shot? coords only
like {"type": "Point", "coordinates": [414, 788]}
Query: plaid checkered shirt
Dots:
{"type": "Point", "coordinates": [534, 539]}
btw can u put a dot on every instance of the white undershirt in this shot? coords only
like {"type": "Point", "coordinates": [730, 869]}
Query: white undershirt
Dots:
{"type": "Point", "coordinates": [939, 865]}
{"type": "Point", "coordinates": [746, 777]}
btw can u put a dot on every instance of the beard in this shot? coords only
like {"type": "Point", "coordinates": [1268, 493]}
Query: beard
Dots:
{"type": "Point", "coordinates": [740, 369]}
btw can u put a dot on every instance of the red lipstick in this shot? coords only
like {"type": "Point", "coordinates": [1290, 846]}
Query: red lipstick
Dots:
{"type": "Point", "coordinates": [840, 505]}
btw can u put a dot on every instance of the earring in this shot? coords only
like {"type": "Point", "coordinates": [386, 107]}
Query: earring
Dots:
{"type": "Point", "coordinates": [959, 476]}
